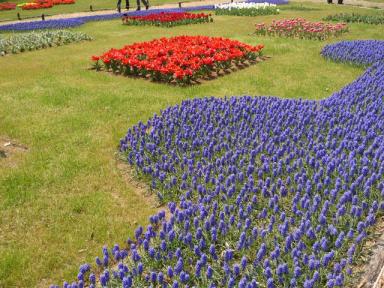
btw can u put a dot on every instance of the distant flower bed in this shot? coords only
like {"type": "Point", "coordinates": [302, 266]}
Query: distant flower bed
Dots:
{"type": "Point", "coordinates": [38, 40]}
{"type": "Point", "coordinates": [7, 6]}
{"type": "Point", "coordinates": [180, 60]}
{"type": "Point", "coordinates": [63, 2]}
{"type": "Point", "coordinates": [356, 18]}
{"type": "Point", "coordinates": [168, 19]}
{"type": "Point", "coordinates": [246, 9]}
{"type": "Point", "coordinates": [362, 52]}
{"type": "Point", "coordinates": [43, 4]}
{"type": "Point", "coordinates": [302, 29]}
{"type": "Point", "coordinates": [37, 5]}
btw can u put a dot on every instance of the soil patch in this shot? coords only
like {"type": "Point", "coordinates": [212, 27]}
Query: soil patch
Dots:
{"type": "Point", "coordinates": [141, 189]}
{"type": "Point", "coordinates": [9, 149]}
{"type": "Point", "coordinates": [369, 272]}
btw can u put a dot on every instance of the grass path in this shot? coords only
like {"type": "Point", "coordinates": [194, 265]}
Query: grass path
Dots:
{"type": "Point", "coordinates": [65, 197]}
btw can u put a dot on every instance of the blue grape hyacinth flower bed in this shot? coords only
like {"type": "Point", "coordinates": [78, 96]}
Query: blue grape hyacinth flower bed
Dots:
{"type": "Point", "coordinates": [362, 52]}
{"type": "Point", "coordinates": [261, 191]}
{"type": "Point", "coordinates": [39, 25]}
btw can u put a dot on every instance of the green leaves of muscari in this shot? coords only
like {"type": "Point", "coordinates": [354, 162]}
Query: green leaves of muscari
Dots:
{"type": "Point", "coordinates": [18, 43]}
{"type": "Point", "coordinates": [356, 18]}
{"type": "Point", "coordinates": [247, 11]}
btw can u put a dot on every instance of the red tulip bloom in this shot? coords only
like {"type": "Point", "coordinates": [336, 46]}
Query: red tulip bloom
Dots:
{"type": "Point", "coordinates": [167, 19]}
{"type": "Point", "coordinates": [184, 58]}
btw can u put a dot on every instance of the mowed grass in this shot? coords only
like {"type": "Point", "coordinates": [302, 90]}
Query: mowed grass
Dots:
{"type": "Point", "coordinates": [64, 198]}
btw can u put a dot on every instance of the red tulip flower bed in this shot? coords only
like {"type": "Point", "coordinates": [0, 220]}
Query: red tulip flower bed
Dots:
{"type": "Point", "coordinates": [37, 5]}
{"type": "Point", "coordinates": [180, 60]}
{"type": "Point", "coordinates": [302, 29]}
{"type": "Point", "coordinates": [7, 6]}
{"type": "Point", "coordinates": [168, 19]}
{"type": "Point", "coordinates": [63, 2]}
{"type": "Point", "coordinates": [44, 4]}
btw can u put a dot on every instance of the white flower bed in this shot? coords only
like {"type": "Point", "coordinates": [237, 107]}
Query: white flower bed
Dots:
{"type": "Point", "coordinates": [246, 9]}
{"type": "Point", "coordinates": [245, 5]}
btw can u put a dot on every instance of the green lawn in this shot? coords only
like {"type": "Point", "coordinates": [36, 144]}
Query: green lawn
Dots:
{"type": "Point", "coordinates": [79, 6]}
{"type": "Point", "coordinates": [64, 198]}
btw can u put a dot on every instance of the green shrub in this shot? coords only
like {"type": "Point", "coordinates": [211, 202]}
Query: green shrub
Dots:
{"type": "Point", "coordinates": [298, 8]}
{"type": "Point", "coordinates": [356, 18]}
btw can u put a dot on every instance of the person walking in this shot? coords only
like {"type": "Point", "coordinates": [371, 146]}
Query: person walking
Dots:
{"type": "Point", "coordinates": [119, 5]}
{"type": "Point", "coordinates": [145, 2]}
